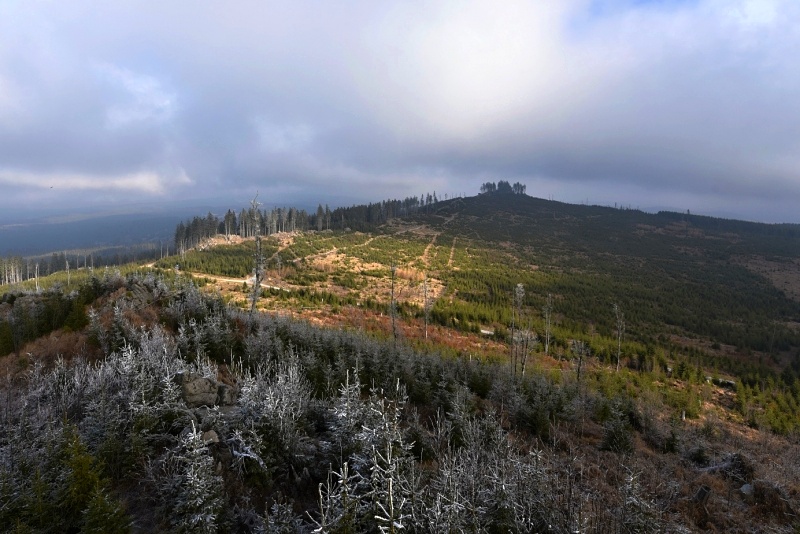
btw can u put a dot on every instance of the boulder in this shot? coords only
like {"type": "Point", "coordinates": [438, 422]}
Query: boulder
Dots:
{"type": "Point", "coordinates": [748, 491]}
{"type": "Point", "coordinates": [210, 437]}
{"type": "Point", "coordinates": [197, 390]}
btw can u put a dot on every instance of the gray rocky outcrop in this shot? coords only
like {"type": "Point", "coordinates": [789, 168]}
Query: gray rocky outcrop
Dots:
{"type": "Point", "coordinates": [197, 390]}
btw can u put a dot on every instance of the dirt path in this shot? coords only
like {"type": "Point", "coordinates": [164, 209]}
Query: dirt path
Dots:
{"type": "Point", "coordinates": [452, 252]}
{"type": "Point", "coordinates": [234, 280]}
{"type": "Point", "coordinates": [218, 278]}
{"type": "Point", "coordinates": [401, 231]}
{"type": "Point", "coordinates": [319, 255]}
{"type": "Point", "coordinates": [284, 244]}
{"type": "Point", "coordinates": [368, 241]}
{"type": "Point", "coordinates": [426, 256]}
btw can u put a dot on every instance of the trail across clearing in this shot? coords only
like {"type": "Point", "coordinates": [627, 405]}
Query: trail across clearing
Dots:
{"type": "Point", "coordinates": [426, 258]}
{"type": "Point", "coordinates": [247, 280]}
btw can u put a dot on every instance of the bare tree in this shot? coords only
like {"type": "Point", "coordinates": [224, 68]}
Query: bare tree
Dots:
{"type": "Point", "coordinates": [258, 256]}
{"type": "Point", "coordinates": [620, 324]}
{"type": "Point", "coordinates": [426, 305]}
{"type": "Point", "coordinates": [580, 349]}
{"type": "Point", "coordinates": [547, 311]}
{"type": "Point", "coordinates": [393, 305]}
{"type": "Point", "coordinates": [529, 342]}
{"type": "Point", "coordinates": [230, 224]}
{"type": "Point", "coordinates": [320, 220]}
{"type": "Point", "coordinates": [516, 327]}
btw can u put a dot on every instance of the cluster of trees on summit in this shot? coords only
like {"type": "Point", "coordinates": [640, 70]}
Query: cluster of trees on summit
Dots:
{"type": "Point", "coordinates": [503, 187]}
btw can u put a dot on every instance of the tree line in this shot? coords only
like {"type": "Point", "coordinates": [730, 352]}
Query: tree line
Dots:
{"type": "Point", "coordinates": [252, 221]}
{"type": "Point", "coordinates": [18, 269]}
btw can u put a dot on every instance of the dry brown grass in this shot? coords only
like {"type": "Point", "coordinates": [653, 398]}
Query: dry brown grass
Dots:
{"type": "Point", "coordinates": [412, 275]}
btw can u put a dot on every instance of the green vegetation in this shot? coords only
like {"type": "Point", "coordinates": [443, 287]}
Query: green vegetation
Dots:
{"type": "Point", "coordinates": [326, 417]}
{"type": "Point", "coordinates": [682, 281]}
{"type": "Point", "coordinates": [223, 260]}
{"type": "Point", "coordinates": [328, 427]}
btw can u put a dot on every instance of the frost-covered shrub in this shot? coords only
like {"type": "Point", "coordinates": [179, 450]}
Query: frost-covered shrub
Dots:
{"type": "Point", "coordinates": [373, 488]}
{"type": "Point", "coordinates": [189, 485]}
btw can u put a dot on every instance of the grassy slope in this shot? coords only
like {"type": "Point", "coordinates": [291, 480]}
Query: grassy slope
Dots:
{"type": "Point", "coordinates": [477, 249]}
{"type": "Point", "coordinates": [727, 288]}
{"type": "Point", "coordinates": [670, 273]}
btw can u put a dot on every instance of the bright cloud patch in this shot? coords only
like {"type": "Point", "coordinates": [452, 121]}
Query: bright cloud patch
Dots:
{"type": "Point", "coordinates": [149, 183]}
{"type": "Point", "coordinates": [144, 98]}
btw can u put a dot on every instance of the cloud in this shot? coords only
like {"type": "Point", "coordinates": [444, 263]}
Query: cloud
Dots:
{"type": "Point", "coordinates": [282, 138]}
{"type": "Point", "coordinates": [146, 182]}
{"type": "Point", "coordinates": [685, 102]}
{"type": "Point", "coordinates": [145, 98]}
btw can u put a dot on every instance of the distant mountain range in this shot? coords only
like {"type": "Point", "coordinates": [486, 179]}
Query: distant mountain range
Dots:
{"type": "Point", "coordinates": [89, 231]}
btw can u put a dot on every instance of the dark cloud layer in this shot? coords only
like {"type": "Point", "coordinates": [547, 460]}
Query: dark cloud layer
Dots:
{"type": "Point", "coordinates": [668, 104]}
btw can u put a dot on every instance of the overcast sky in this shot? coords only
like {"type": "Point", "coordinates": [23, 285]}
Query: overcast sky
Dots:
{"type": "Point", "coordinates": [675, 104]}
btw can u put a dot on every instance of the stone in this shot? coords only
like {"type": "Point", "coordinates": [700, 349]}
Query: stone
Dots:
{"type": "Point", "coordinates": [210, 437]}
{"type": "Point", "coordinates": [197, 390]}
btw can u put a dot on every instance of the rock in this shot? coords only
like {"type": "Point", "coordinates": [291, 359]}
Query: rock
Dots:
{"type": "Point", "coordinates": [197, 390]}
{"type": "Point", "coordinates": [207, 417]}
{"type": "Point", "coordinates": [210, 437]}
{"type": "Point", "coordinates": [748, 493]}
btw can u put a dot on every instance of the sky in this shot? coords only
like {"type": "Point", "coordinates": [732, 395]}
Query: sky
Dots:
{"type": "Point", "coordinates": [671, 104]}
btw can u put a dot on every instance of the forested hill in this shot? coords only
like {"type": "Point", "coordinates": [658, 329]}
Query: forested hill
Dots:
{"type": "Point", "coordinates": [556, 226]}
{"type": "Point", "coordinates": [727, 281]}
{"type": "Point", "coordinates": [726, 287]}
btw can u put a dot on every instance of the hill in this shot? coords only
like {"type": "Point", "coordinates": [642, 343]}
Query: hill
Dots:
{"type": "Point", "coordinates": [722, 291]}
{"type": "Point", "coordinates": [400, 375]}
{"type": "Point", "coordinates": [725, 281]}
{"type": "Point", "coordinates": [697, 296]}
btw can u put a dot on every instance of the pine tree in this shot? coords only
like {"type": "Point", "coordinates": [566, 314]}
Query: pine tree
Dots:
{"type": "Point", "coordinates": [196, 488]}
{"type": "Point", "coordinates": [105, 515]}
